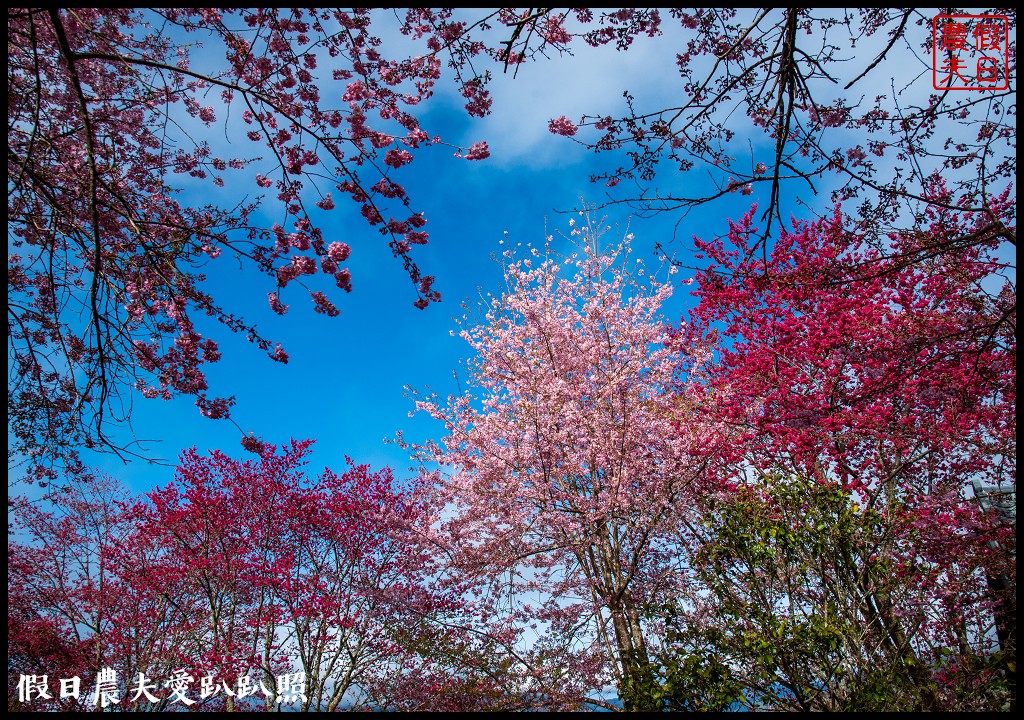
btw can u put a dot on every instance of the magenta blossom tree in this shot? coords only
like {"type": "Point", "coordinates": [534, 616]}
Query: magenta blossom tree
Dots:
{"type": "Point", "coordinates": [237, 574]}
{"type": "Point", "coordinates": [889, 388]}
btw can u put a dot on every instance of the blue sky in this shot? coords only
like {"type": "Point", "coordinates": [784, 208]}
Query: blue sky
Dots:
{"type": "Point", "coordinates": [345, 382]}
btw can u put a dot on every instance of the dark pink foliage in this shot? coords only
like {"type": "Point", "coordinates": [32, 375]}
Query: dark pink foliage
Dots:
{"type": "Point", "coordinates": [237, 569]}
{"type": "Point", "coordinates": [892, 377]}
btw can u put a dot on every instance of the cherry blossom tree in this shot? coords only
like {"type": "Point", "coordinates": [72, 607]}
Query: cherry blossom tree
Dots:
{"type": "Point", "coordinates": [569, 468]}
{"type": "Point", "coordinates": [886, 391]}
{"type": "Point", "coordinates": [322, 577]}
{"type": "Point", "coordinates": [238, 572]}
{"type": "Point", "coordinates": [78, 594]}
{"type": "Point", "coordinates": [110, 122]}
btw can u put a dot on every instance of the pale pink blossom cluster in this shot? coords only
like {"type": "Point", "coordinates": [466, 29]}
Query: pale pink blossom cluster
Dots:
{"type": "Point", "coordinates": [562, 126]}
{"type": "Point", "coordinates": [397, 158]}
{"type": "Point", "coordinates": [300, 265]}
{"type": "Point", "coordinates": [856, 155]}
{"type": "Point", "coordinates": [343, 279]}
{"type": "Point", "coordinates": [478, 151]}
{"type": "Point", "coordinates": [829, 116]}
{"type": "Point", "coordinates": [275, 303]}
{"type": "Point", "coordinates": [338, 251]}
{"type": "Point", "coordinates": [215, 408]}
{"type": "Point", "coordinates": [323, 305]}
{"type": "Point", "coordinates": [554, 32]}
{"type": "Point", "coordinates": [279, 355]}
